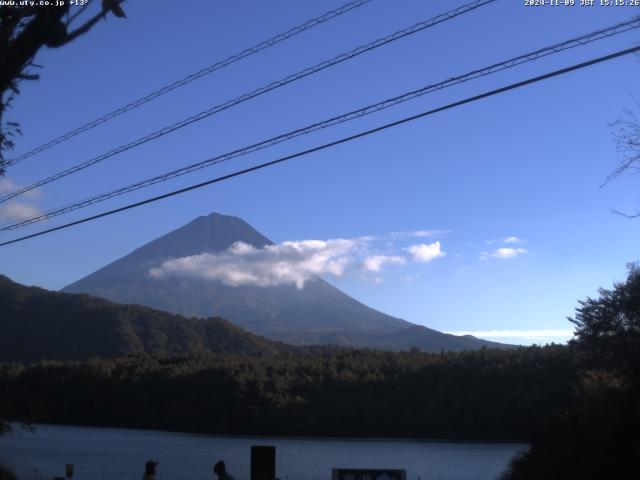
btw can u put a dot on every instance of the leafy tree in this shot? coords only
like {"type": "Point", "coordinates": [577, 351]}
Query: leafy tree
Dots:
{"type": "Point", "coordinates": [615, 312]}
{"type": "Point", "coordinates": [24, 30]}
{"type": "Point", "coordinates": [597, 436]}
{"type": "Point", "coordinates": [608, 328]}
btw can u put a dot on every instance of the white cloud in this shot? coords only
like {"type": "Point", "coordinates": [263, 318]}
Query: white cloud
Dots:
{"type": "Point", "coordinates": [512, 239]}
{"type": "Point", "coordinates": [8, 186]}
{"type": "Point", "coordinates": [419, 233]}
{"type": "Point", "coordinates": [506, 252]}
{"type": "Point", "coordinates": [425, 233]}
{"type": "Point", "coordinates": [286, 263]}
{"type": "Point", "coordinates": [527, 335]}
{"type": "Point", "coordinates": [425, 252]}
{"type": "Point", "coordinates": [546, 332]}
{"type": "Point", "coordinates": [375, 263]}
{"type": "Point", "coordinates": [293, 262]}
{"type": "Point", "coordinates": [18, 211]}
{"type": "Point", "coordinates": [503, 253]}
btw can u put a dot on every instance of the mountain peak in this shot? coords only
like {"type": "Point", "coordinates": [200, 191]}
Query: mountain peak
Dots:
{"type": "Point", "coordinates": [317, 313]}
{"type": "Point", "coordinates": [206, 234]}
{"type": "Point", "coordinates": [222, 216]}
{"type": "Point", "coordinates": [214, 219]}
{"type": "Point", "coordinates": [218, 217]}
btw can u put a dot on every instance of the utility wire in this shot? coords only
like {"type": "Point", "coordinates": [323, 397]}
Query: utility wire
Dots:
{"type": "Point", "coordinates": [261, 166]}
{"type": "Point", "coordinates": [255, 93]}
{"type": "Point", "coordinates": [193, 76]}
{"type": "Point", "coordinates": [510, 63]}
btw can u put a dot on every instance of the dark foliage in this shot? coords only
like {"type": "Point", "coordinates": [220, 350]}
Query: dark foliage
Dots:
{"type": "Point", "coordinates": [38, 324]}
{"type": "Point", "coordinates": [598, 437]}
{"type": "Point", "coordinates": [7, 474]}
{"type": "Point", "coordinates": [577, 404]}
{"type": "Point", "coordinates": [207, 375]}
{"type": "Point", "coordinates": [487, 394]}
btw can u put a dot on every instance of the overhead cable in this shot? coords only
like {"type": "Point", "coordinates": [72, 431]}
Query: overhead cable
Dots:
{"type": "Point", "coordinates": [191, 77]}
{"type": "Point", "coordinates": [354, 114]}
{"type": "Point", "coordinates": [418, 27]}
{"type": "Point", "coordinates": [261, 166]}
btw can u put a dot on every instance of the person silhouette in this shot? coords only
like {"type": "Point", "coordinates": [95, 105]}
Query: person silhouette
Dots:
{"type": "Point", "coordinates": [220, 469]}
{"type": "Point", "coordinates": [150, 470]}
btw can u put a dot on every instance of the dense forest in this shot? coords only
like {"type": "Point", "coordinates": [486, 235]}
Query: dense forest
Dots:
{"type": "Point", "coordinates": [578, 405]}
{"type": "Point", "coordinates": [496, 394]}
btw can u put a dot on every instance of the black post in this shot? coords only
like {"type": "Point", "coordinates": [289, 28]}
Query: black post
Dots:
{"type": "Point", "coordinates": [263, 462]}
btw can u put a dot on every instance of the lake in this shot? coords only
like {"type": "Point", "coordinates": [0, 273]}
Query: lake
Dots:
{"type": "Point", "coordinates": [120, 454]}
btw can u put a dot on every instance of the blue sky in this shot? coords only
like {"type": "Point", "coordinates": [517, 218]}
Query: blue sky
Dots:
{"type": "Point", "coordinates": [526, 164]}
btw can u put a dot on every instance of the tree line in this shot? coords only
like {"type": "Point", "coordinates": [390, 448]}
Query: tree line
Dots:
{"type": "Point", "coordinates": [578, 404]}
{"type": "Point", "coordinates": [487, 394]}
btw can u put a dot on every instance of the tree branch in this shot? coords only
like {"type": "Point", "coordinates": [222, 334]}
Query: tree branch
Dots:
{"type": "Point", "coordinates": [24, 31]}
{"type": "Point", "coordinates": [88, 25]}
{"type": "Point", "coordinates": [77, 14]}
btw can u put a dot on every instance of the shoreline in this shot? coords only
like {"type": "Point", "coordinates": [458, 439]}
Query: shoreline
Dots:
{"type": "Point", "coordinates": [289, 437]}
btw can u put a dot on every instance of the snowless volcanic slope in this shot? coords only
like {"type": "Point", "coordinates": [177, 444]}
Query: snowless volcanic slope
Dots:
{"type": "Point", "coordinates": [316, 313]}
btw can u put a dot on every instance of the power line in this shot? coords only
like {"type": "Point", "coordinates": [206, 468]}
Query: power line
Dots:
{"type": "Point", "coordinates": [510, 63]}
{"type": "Point", "coordinates": [255, 93]}
{"type": "Point", "coordinates": [193, 76]}
{"type": "Point", "coordinates": [261, 166]}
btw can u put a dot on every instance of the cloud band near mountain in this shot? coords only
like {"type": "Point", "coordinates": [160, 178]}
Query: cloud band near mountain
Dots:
{"type": "Point", "coordinates": [292, 262]}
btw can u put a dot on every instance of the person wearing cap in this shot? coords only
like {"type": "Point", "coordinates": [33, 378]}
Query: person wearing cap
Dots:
{"type": "Point", "coordinates": [150, 470]}
{"type": "Point", "coordinates": [220, 469]}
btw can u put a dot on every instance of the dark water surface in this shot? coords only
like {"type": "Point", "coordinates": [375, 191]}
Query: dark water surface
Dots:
{"type": "Point", "coordinates": [120, 454]}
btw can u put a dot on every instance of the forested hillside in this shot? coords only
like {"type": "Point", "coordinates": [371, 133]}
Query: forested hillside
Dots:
{"type": "Point", "coordinates": [39, 324]}
{"type": "Point", "coordinates": [578, 405]}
